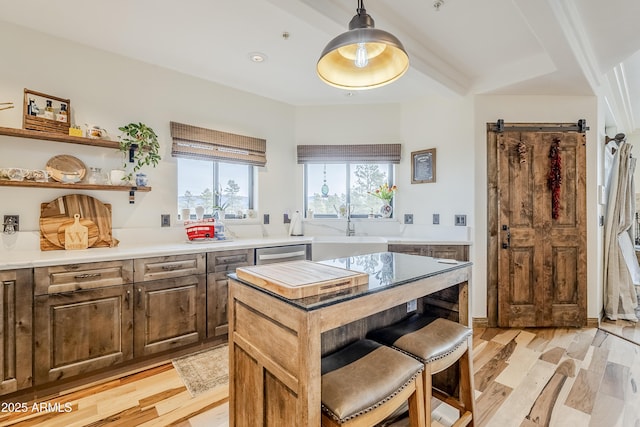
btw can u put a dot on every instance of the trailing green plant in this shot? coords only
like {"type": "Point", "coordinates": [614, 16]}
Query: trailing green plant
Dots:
{"type": "Point", "coordinates": [140, 145]}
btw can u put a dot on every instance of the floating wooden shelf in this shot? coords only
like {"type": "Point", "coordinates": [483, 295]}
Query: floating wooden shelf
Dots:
{"type": "Point", "coordinates": [59, 137]}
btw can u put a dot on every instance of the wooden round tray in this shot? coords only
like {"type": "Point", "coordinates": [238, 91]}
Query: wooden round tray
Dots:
{"type": "Point", "coordinates": [64, 164]}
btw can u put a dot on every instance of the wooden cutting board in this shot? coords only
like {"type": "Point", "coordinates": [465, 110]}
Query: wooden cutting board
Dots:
{"type": "Point", "coordinates": [59, 213]}
{"type": "Point", "coordinates": [76, 235]}
{"type": "Point", "coordinates": [299, 279]}
{"type": "Point", "coordinates": [92, 231]}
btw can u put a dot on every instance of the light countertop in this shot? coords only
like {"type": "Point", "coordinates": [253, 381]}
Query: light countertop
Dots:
{"type": "Point", "coordinates": [23, 251]}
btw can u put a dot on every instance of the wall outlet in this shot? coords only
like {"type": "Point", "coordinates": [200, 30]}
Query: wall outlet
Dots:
{"type": "Point", "coordinates": [165, 220]}
{"type": "Point", "coordinates": [436, 219]}
{"type": "Point", "coordinates": [412, 305]}
{"type": "Point", "coordinates": [265, 219]}
{"type": "Point", "coordinates": [286, 219]}
{"type": "Point", "coordinates": [460, 220]}
{"type": "Point", "coordinates": [408, 218]}
{"type": "Point", "coordinates": [11, 221]}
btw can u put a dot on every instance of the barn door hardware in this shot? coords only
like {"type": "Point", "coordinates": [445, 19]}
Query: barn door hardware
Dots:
{"type": "Point", "coordinates": [580, 127]}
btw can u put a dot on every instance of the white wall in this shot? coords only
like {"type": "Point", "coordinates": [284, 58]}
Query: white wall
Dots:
{"type": "Point", "coordinates": [541, 109]}
{"type": "Point", "coordinates": [110, 90]}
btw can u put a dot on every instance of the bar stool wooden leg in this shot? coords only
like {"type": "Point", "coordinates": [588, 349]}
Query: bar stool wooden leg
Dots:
{"type": "Point", "coordinates": [417, 415]}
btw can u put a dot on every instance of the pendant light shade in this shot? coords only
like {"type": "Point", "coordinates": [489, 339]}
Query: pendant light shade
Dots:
{"type": "Point", "coordinates": [363, 57]}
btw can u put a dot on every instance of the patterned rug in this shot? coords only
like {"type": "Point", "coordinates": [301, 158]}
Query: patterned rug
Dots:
{"type": "Point", "coordinates": [204, 370]}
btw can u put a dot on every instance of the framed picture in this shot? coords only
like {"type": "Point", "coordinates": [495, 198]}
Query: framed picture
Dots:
{"type": "Point", "coordinates": [423, 166]}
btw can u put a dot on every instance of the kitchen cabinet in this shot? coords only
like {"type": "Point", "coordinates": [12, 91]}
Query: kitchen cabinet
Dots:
{"type": "Point", "coordinates": [170, 309]}
{"type": "Point", "coordinates": [442, 303]}
{"type": "Point", "coordinates": [457, 252]}
{"type": "Point", "coordinates": [219, 264]}
{"type": "Point", "coordinates": [83, 318]}
{"type": "Point", "coordinates": [16, 330]}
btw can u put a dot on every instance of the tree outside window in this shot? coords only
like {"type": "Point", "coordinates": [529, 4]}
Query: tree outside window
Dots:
{"type": "Point", "coordinates": [348, 183]}
{"type": "Point", "coordinates": [198, 179]}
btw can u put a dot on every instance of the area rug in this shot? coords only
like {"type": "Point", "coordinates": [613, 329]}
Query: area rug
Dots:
{"type": "Point", "coordinates": [204, 370]}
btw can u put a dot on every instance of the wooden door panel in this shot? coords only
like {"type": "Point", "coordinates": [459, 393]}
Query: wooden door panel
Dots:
{"type": "Point", "coordinates": [520, 187]}
{"type": "Point", "coordinates": [79, 332]}
{"type": "Point", "coordinates": [521, 280]}
{"type": "Point", "coordinates": [565, 278]}
{"type": "Point", "coordinates": [16, 303]}
{"type": "Point", "coordinates": [169, 313]}
{"type": "Point", "coordinates": [541, 260]}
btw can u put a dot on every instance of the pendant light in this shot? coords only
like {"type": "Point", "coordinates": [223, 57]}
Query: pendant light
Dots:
{"type": "Point", "coordinates": [363, 57]}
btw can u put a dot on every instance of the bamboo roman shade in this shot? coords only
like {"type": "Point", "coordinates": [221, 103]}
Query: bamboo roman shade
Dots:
{"type": "Point", "coordinates": [361, 153]}
{"type": "Point", "coordinates": [198, 143]}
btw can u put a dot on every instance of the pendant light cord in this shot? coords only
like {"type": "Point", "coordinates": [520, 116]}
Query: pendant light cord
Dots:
{"type": "Point", "coordinates": [361, 9]}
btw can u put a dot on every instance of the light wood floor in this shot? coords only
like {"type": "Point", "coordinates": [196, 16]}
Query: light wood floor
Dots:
{"type": "Point", "coordinates": [525, 378]}
{"type": "Point", "coordinates": [625, 328]}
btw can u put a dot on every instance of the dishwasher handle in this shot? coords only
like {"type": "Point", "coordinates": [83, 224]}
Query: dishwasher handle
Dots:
{"type": "Point", "coordinates": [283, 255]}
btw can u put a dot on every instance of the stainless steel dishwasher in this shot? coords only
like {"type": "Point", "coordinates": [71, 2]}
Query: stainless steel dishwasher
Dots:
{"type": "Point", "coordinates": [274, 254]}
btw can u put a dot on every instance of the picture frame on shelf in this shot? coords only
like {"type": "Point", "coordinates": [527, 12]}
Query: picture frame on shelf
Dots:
{"type": "Point", "coordinates": [423, 166]}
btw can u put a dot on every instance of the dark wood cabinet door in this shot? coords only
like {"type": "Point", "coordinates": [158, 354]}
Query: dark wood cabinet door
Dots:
{"type": "Point", "coordinates": [16, 303]}
{"type": "Point", "coordinates": [169, 313]}
{"type": "Point", "coordinates": [79, 332]}
{"type": "Point", "coordinates": [219, 264]}
{"type": "Point", "coordinates": [217, 301]}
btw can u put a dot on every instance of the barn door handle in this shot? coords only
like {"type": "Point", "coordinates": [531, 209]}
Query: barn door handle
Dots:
{"type": "Point", "coordinates": [506, 245]}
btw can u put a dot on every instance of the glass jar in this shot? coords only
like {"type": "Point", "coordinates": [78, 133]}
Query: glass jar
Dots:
{"type": "Point", "coordinates": [95, 176]}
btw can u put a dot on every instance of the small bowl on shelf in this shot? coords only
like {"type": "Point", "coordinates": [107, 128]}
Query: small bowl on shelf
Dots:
{"type": "Point", "coordinates": [16, 174]}
{"type": "Point", "coordinates": [36, 175]}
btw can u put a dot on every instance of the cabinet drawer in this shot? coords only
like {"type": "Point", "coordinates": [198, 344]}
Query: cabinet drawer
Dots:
{"type": "Point", "coordinates": [229, 260]}
{"type": "Point", "coordinates": [73, 277]}
{"type": "Point", "coordinates": [166, 267]}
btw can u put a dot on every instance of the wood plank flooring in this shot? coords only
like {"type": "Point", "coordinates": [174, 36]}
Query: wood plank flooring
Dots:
{"type": "Point", "coordinates": [625, 328]}
{"type": "Point", "coordinates": [523, 378]}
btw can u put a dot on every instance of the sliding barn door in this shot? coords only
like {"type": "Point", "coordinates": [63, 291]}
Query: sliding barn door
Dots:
{"type": "Point", "coordinates": [541, 253]}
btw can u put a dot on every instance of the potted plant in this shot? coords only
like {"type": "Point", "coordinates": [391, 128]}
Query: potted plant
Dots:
{"type": "Point", "coordinates": [385, 193]}
{"type": "Point", "coordinates": [140, 143]}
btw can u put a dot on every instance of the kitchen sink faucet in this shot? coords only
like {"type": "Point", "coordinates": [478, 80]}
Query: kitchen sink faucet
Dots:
{"type": "Point", "coordinates": [351, 228]}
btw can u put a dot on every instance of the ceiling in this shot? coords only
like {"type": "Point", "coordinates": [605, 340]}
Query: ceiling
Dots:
{"type": "Point", "coordinates": [518, 47]}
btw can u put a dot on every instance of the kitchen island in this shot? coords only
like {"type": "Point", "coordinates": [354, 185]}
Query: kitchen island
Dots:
{"type": "Point", "coordinates": [276, 343]}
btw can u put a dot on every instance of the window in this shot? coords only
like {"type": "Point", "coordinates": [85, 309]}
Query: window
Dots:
{"type": "Point", "coordinates": [215, 169]}
{"type": "Point", "coordinates": [330, 187]}
{"type": "Point", "coordinates": [215, 184]}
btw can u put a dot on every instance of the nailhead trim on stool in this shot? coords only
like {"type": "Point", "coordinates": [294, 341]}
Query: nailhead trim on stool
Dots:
{"type": "Point", "coordinates": [364, 376]}
{"type": "Point", "coordinates": [433, 340]}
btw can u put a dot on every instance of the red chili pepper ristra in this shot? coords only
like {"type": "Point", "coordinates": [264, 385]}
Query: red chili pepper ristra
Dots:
{"type": "Point", "coordinates": [554, 180]}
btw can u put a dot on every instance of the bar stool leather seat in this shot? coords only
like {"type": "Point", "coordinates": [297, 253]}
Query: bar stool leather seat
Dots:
{"type": "Point", "coordinates": [438, 343]}
{"type": "Point", "coordinates": [365, 382]}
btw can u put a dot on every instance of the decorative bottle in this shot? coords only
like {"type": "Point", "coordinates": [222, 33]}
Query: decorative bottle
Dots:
{"type": "Point", "coordinates": [62, 114]}
{"type": "Point", "coordinates": [48, 111]}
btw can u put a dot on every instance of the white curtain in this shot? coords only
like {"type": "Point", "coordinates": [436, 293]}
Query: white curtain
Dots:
{"type": "Point", "coordinates": [620, 262]}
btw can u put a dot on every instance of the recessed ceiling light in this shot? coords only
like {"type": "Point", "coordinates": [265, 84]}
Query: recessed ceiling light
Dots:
{"type": "Point", "coordinates": [257, 57]}
{"type": "Point", "coordinates": [349, 94]}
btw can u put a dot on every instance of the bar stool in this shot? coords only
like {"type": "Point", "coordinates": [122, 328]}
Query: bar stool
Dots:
{"type": "Point", "coordinates": [438, 343]}
{"type": "Point", "coordinates": [365, 382]}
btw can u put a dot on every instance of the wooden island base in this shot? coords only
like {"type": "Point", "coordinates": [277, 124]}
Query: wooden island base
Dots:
{"type": "Point", "coordinates": [275, 344]}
